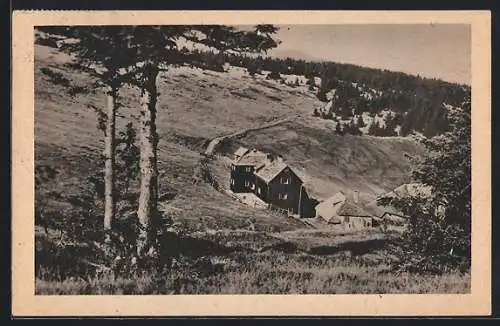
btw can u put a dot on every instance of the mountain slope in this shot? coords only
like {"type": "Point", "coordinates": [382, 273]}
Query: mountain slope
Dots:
{"type": "Point", "coordinates": [195, 106]}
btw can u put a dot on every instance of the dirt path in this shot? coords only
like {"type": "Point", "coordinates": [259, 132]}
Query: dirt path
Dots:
{"type": "Point", "coordinates": [216, 141]}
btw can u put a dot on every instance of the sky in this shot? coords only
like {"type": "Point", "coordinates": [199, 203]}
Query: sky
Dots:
{"type": "Point", "coordinates": [434, 51]}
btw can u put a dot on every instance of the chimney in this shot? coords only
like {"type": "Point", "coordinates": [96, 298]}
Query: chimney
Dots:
{"type": "Point", "coordinates": [355, 196]}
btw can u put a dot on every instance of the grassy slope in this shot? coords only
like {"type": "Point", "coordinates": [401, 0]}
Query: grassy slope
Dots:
{"type": "Point", "coordinates": [195, 106]}
{"type": "Point", "coordinates": [332, 163]}
{"type": "Point", "coordinates": [67, 138]}
{"type": "Point", "coordinates": [297, 262]}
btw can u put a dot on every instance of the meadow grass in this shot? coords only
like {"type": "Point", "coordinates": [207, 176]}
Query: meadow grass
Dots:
{"type": "Point", "coordinates": [271, 272]}
{"type": "Point", "coordinates": [264, 263]}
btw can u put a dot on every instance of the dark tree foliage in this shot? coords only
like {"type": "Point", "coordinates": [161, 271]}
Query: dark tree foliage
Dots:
{"type": "Point", "coordinates": [439, 226]}
{"type": "Point", "coordinates": [135, 55]}
{"type": "Point", "coordinates": [274, 75]}
{"type": "Point", "coordinates": [375, 129]}
{"type": "Point", "coordinates": [339, 130]}
{"type": "Point", "coordinates": [352, 128]}
{"type": "Point", "coordinates": [127, 163]}
{"type": "Point", "coordinates": [360, 122]}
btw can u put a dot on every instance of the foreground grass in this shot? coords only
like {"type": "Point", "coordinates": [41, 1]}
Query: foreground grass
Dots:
{"type": "Point", "coordinates": [265, 273]}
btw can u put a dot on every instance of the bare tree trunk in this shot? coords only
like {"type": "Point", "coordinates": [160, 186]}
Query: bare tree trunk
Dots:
{"type": "Point", "coordinates": [147, 212]}
{"type": "Point", "coordinates": [109, 164]}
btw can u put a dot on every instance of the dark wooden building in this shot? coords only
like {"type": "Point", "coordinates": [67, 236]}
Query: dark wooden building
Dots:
{"type": "Point", "coordinates": [243, 171]}
{"type": "Point", "coordinates": [279, 186]}
{"type": "Point", "coordinates": [273, 181]}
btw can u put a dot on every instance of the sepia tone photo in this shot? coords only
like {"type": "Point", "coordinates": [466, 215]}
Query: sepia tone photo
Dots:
{"type": "Point", "coordinates": [255, 158]}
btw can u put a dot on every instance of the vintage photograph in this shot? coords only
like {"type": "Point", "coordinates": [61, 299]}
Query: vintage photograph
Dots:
{"type": "Point", "coordinates": [263, 159]}
{"type": "Point", "coordinates": [303, 158]}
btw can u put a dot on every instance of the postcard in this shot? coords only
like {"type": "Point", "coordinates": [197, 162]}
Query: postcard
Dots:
{"type": "Point", "coordinates": [251, 163]}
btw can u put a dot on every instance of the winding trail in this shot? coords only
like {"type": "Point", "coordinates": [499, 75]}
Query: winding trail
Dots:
{"type": "Point", "coordinates": [216, 141]}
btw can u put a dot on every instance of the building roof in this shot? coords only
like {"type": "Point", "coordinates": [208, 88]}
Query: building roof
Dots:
{"type": "Point", "coordinates": [329, 207]}
{"type": "Point", "coordinates": [270, 170]}
{"type": "Point", "coordinates": [331, 201]}
{"type": "Point", "coordinates": [409, 190]}
{"type": "Point", "coordinates": [253, 157]}
{"type": "Point", "coordinates": [349, 208]}
{"type": "Point", "coordinates": [241, 151]}
{"type": "Point", "coordinates": [377, 209]}
{"type": "Point", "coordinates": [404, 191]}
{"type": "Point", "coordinates": [266, 167]}
{"type": "Point", "coordinates": [339, 205]}
{"type": "Point", "coordinates": [257, 161]}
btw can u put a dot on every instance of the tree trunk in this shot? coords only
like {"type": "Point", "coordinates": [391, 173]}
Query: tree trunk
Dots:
{"type": "Point", "coordinates": [147, 212]}
{"type": "Point", "coordinates": [109, 164]}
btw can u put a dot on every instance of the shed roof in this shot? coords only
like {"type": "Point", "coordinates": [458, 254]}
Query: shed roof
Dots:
{"type": "Point", "coordinates": [331, 201]}
{"type": "Point", "coordinates": [338, 205]}
{"type": "Point", "coordinates": [349, 208]}
{"type": "Point", "coordinates": [329, 207]}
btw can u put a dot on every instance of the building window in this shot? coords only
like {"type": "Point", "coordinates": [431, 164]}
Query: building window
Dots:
{"type": "Point", "coordinates": [233, 167]}
{"type": "Point", "coordinates": [282, 196]}
{"type": "Point", "coordinates": [285, 180]}
{"type": "Point", "coordinates": [232, 181]}
{"type": "Point", "coordinates": [258, 190]}
{"type": "Point", "coordinates": [247, 183]}
{"type": "Point", "coordinates": [248, 169]}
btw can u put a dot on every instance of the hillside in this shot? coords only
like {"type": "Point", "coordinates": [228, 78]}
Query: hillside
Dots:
{"type": "Point", "coordinates": [196, 106]}
{"type": "Point", "coordinates": [407, 104]}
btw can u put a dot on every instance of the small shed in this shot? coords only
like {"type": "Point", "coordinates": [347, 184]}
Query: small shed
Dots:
{"type": "Point", "coordinates": [353, 216]}
{"type": "Point", "coordinates": [338, 209]}
{"type": "Point", "coordinates": [328, 208]}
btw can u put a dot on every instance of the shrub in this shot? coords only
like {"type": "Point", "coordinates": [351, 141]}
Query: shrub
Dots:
{"type": "Point", "coordinates": [438, 235]}
{"type": "Point", "coordinates": [274, 75]}
{"type": "Point", "coordinates": [47, 42]}
{"type": "Point", "coordinates": [56, 77]}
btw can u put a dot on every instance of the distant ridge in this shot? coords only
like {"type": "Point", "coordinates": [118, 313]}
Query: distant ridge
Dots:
{"type": "Point", "coordinates": [293, 54]}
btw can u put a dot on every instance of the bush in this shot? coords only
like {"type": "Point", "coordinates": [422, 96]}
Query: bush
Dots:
{"type": "Point", "coordinates": [56, 77]}
{"type": "Point", "coordinates": [274, 75]}
{"type": "Point", "coordinates": [75, 90]}
{"type": "Point", "coordinates": [438, 237]}
{"type": "Point", "coordinates": [47, 42]}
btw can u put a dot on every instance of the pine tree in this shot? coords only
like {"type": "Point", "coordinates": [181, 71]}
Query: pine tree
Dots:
{"type": "Point", "coordinates": [95, 52]}
{"type": "Point", "coordinates": [390, 126]}
{"type": "Point", "coordinates": [156, 45]}
{"type": "Point", "coordinates": [147, 49]}
{"type": "Point", "coordinates": [274, 75]}
{"type": "Point", "coordinates": [375, 129]}
{"type": "Point", "coordinates": [338, 129]}
{"type": "Point", "coordinates": [323, 89]}
{"type": "Point", "coordinates": [360, 122]}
